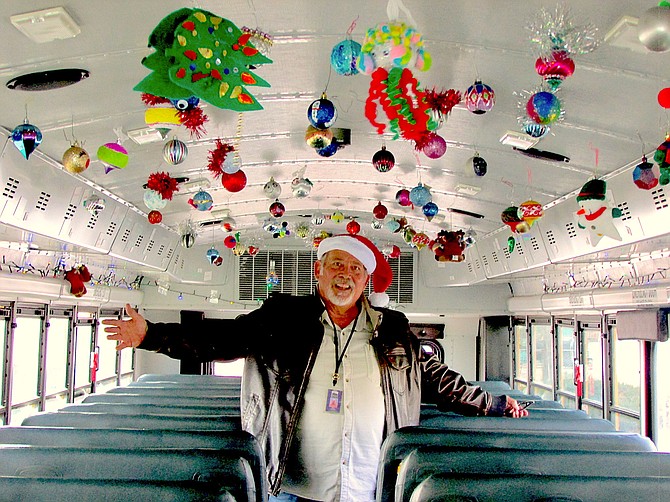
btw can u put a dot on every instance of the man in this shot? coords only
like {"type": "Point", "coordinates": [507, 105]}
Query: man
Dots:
{"type": "Point", "coordinates": [326, 377]}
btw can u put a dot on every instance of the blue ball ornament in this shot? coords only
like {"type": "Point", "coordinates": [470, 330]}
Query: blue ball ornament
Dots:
{"type": "Point", "coordinates": [430, 210]}
{"type": "Point", "coordinates": [420, 195]}
{"type": "Point", "coordinates": [343, 57]}
{"type": "Point", "coordinates": [202, 201]}
{"type": "Point", "coordinates": [26, 137]}
{"type": "Point", "coordinates": [543, 107]}
{"type": "Point", "coordinates": [322, 113]}
{"type": "Point", "coordinates": [330, 150]}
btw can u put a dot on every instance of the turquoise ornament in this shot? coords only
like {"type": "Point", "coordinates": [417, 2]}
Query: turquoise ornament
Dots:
{"type": "Point", "coordinates": [26, 137]}
{"type": "Point", "coordinates": [420, 195]}
{"type": "Point", "coordinates": [202, 201]}
{"type": "Point", "coordinates": [343, 57]}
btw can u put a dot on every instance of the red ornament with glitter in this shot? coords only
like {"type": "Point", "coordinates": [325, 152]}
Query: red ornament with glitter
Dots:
{"type": "Point", "coordinates": [155, 217]}
{"type": "Point", "coordinates": [234, 182]}
{"type": "Point", "coordinates": [353, 227]}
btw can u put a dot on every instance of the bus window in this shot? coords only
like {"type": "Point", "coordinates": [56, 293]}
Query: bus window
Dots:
{"type": "Point", "coordinates": [626, 383]}
{"type": "Point", "coordinates": [542, 374]}
{"type": "Point", "coordinates": [520, 357]}
{"type": "Point", "coordinates": [3, 334]}
{"type": "Point", "coordinates": [56, 363]}
{"type": "Point", "coordinates": [106, 375]}
{"type": "Point", "coordinates": [567, 391]}
{"type": "Point", "coordinates": [593, 372]}
{"type": "Point", "coordinates": [82, 370]}
{"type": "Point", "coordinates": [25, 359]}
{"type": "Point", "coordinates": [662, 395]}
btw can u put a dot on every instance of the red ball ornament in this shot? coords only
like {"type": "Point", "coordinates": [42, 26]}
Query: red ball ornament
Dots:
{"type": "Point", "coordinates": [664, 97]}
{"type": "Point", "coordinates": [380, 211]}
{"type": "Point", "coordinates": [234, 182]}
{"type": "Point", "coordinates": [253, 250]}
{"type": "Point", "coordinates": [230, 242]}
{"type": "Point", "coordinates": [395, 252]}
{"type": "Point", "coordinates": [155, 217]}
{"type": "Point", "coordinates": [277, 209]}
{"type": "Point", "coordinates": [353, 227]}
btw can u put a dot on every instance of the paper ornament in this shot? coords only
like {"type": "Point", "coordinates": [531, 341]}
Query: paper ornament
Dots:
{"type": "Point", "coordinates": [594, 214]}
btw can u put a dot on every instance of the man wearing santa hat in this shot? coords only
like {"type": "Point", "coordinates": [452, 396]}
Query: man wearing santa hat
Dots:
{"type": "Point", "coordinates": [326, 377]}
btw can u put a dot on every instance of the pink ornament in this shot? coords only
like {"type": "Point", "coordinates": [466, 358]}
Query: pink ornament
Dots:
{"type": "Point", "coordinates": [403, 197]}
{"type": "Point", "coordinates": [435, 146]}
{"type": "Point", "coordinates": [555, 69]}
{"type": "Point", "coordinates": [234, 182]}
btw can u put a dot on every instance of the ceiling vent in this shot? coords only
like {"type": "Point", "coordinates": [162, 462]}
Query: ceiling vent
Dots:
{"type": "Point", "coordinates": [467, 189]}
{"type": "Point", "coordinates": [46, 25]}
{"type": "Point", "coordinates": [47, 80]}
{"type": "Point", "coordinates": [145, 135]}
{"type": "Point", "coordinates": [624, 34]}
{"type": "Point", "coordinates": [542, 154]}
{"type": "Point", "coordinates": [519, 140]}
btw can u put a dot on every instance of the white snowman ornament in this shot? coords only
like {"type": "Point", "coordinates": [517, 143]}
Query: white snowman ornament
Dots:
{"type": "Point", "coordinates": [595, 215]}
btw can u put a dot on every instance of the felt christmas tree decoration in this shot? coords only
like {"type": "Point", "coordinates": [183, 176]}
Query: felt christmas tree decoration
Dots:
{"type": "Point", "coordinates": [595, 214]}
{"type": "Point", "coordinates": [203, 55]}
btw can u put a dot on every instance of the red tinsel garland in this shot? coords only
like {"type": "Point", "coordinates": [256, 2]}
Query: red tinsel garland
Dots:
{"type": "Point", "coordinates": [442, 101]}
{"type": "Point", "coordinates": [163, 184]}
{"type": "Point", "coordinates": [217, 158]}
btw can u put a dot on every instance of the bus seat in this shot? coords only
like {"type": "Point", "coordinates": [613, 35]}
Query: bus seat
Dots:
{"type": "Point", "coordinates": [531, 422]}
{"type": "Point", "coordinates": [238, 442]}
{"type": "Point", "coordinates": [215, 467]}
{"type": "Point", "coordinates": [531, 487]}
{"type": "Point", "coordinates": [93, 490]}
{"type": "Point", "coordinates": [403, 441]}
{"type": "Point", "coordinates": [216, 392]}
{"type": "Point", "coordinates": [119, 421]}
{"type": "Point", "coordinates": [231, 409]}
{"type": "Point", "coordinates": [491, 385]}
{"type": "Point", "coordinates": [432, 413]}
{"type": "Point", "coordinates": [195, 379]}
{"type": "Point", "coordinates": [164, 400]}
{"type": "Point", "coordinates": [428, 460]}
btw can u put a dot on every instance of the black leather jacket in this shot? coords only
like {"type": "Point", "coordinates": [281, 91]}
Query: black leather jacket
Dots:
{"type": "Point", "coordinates": [280, 341]}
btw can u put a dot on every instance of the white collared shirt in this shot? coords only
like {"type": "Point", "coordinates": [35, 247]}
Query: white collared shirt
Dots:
{"type": "Point", "coordinates": [335, 455]}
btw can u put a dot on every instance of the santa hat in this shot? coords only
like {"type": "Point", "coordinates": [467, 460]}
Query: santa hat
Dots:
{"type": "Point", "coordinates": [593, 190]}
{"type": "Point", "coordinates": [372, 259]}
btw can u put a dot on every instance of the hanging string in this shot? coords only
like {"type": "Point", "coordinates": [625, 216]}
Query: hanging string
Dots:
{"type": "Point", "coordinates": [351, 27]}
{"type": "Point", "coordinates": [393, 9]}
{"type": "Point", "coordinates": [238, 139]}
{"type": "Point", "coordinates": [644, 147]}
{"type": "Point", "coordinates": [596, 152]}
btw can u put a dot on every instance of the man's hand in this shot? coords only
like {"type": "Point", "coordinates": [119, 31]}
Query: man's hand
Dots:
{"type": "Point", "coordinates": [128, 333]}
{"type": "Point", "coordinates": [514, 410]}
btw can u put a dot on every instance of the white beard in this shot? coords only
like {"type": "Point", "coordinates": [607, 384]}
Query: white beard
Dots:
{"type": "Point", "coordinates": [340, 297]}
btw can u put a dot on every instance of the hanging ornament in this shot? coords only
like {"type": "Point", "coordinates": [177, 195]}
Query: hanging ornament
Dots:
{"type": "Point", "coordinates": [322, 113]}
{"type": "Point", "coordinates": [662, 158]}
{"type": "Point", "coordinates": [595, 214]}
{"type": "Point", "coordinates": [543, 108]}
{"type": "Point", "coordinates": [175, 152]}
{"type": "Point", "coordinates": [302, 230]}
{"type": "Point", "coordinates": [353, 227]}
{"type": "Point", "coordinates": [533, 129]}
{"type": "Point", "coordinates": [430, 210]}
{"type": "Point", "coordinates": [164, 114]}
{"type": "Point", "coordinates": [479, 165]}
{"type": "Point", "coordinates": [253, 250]}
{"type": "Point", "coordinates": [301, 187]}
{"type": "Point", "coordinates": [330, 150]}
{"type": "Point", "coordinates": [113, 156]}
{"type": "Point", "coordinates": [153, 200]}
{"type": "Point", "coordinates": [448, 246]}
{"type": "Point", "coordinates": [232, 163]}
{"type": "Point", "coordinates": [510, 217]}
{"type": "Point", "coordinates": [530, 211]}
{"type": "Point", "coordinates": [76, 159]}
{"type": "Point", "coordinates": [392, 226]}
{"type": "Point", "coordinates": [402, 197]}
{"type": "Point", "coordinates": [26, 137]}
{"type": "Point", "coordinates": [380, 211]}
{"type": "Point", "coordinates": [479, 98]}
{"type": "Point", "coordinates": [282, 231]}
{"type": "Point", "coordinates": [239, 249]}
{"type": "Point", "coordinates": [408, 234]}
{"type": "Point", "coordinates": [271, 280]}
{"type": "Point", "coordinates": [155, 217]}
{"type": "Point", "coordinates": [318, 218]}
{"type": "Point", "coordinates": [272, 189]}
{"type": "Point", "coordinates": [214, 256]}
{"type": "Point", "coordinates": [441, 103]}
{"type": "Point", "coordinates": [555, 69]}
{"type": "Point", "coordinates": [337, 217]}
{"type": "Point", "coordinates": [230, 242]}
{"type": "Point", "coordinates": [318, 138]}
{"type": "Point", "coordinates": [94, 205]}
{"type": "Point", "coordinates": [511, 242]}
{"type": "Point", "coordinates": [643, 175]}
{"type": "Point", "coordinates": [664, 97]}
{"type": "Point", "coordinates": [383, 160]}
{"type": "Point", "coordinates": [217, 158]}
{"type": "Point", "coordinates": [653, 28]}
{"type": "Point", "coordinates": [234, 182]}
{"type": "Point", "coordinates": [277, 209]}
{"type": "Point", "coordinates": [377, 224]}
{"type": "Point", "coordinates": [432, 145]}
{"type": "Point", "coordinates": [470, 237]}
{"type": "Point", "coordinates": [420, 240]}
{"type": "Point", "coordinates": [556, 32]}
{"type": "Point", "coordinates": [343, 57]}
{"type": "Point", "coordinates": [202, 201]}
{"type": "Point", "coordinates": [420, 195]}
{"type": "Point", "coordinates": [228, 224]}
{"type": "Point", "coordinates": [162, 183]}
{"type": "Point", "coordinates": [188, 233]}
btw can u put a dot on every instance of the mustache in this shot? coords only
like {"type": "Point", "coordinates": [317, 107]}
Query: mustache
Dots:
{"type": "Point", "coordinates": [344, 282]}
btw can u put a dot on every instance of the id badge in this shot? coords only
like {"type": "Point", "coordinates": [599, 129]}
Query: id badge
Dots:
{"type": "Point", "coordinates": [334, 400]}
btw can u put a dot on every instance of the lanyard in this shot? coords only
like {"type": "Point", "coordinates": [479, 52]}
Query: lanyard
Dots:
{"type": "Point", "coordinates": [338, 359]}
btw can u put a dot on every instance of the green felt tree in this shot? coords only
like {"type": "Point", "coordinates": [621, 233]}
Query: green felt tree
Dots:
{"type": "Point", "coordinates": [203, 55]}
